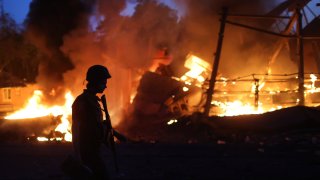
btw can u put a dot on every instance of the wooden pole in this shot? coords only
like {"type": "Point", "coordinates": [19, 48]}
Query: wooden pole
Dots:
{"type": "Point", "coordinates": [215, 63]}
{"type": "Point", "coordinates": [301, 58]}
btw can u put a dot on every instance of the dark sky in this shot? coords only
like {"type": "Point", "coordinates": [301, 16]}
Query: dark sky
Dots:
{"type": "Point", "coordinates": [19, 12]}
{"type": "Point", "coordinates": [18, 9]}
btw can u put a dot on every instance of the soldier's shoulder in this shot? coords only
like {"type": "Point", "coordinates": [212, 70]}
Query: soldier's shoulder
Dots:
{"type": "Point", "coordinates": [80, 99]}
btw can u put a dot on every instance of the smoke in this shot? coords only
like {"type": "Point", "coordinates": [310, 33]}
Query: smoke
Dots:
{"type": "Point", "coordinates": [46, 25]}
{"type": "Point", "coordinates": [244, 51]}
{"type": "Point", "coordinates": [61, 29]}
{"type": "Point", "coordinates": [126, 45]}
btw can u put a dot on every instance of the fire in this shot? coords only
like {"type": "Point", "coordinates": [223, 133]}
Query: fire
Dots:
{"type": "Point", "coordinates": [42, 139]}
{"type": "Point", "coordinates": [185, 89]}
{"type": "Point", "coordinates": [35, 108]}
{"type": "Point", "coordinates": [172, 121]}
{"type": "Point", "coordinates": [257, 87]}
{"type": "Point", "coordinates": [32, 110]}
{"type": "Point", "coordinates": [198, 68]}
{"type": "Point", "coordinates": [239, 108]}
{"type": "Point", "coordinates": [64, 126]}
{"type": "Point", "coordinates": [312, 88]}
{"type": "Point", "coordinates": [268, 92]}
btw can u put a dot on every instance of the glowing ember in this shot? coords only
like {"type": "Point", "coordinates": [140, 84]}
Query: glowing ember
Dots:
{"type": "Point", "coordinates": [172, 121]}
{"type": "Point", "coordinates": [35, 108]}
{"type": "Point", "coordinates": [42, 139]}
{"type": "Point", "coordinates": [185, 89]}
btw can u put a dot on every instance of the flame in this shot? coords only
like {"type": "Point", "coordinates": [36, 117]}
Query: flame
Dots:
{"type": "Point", "coordinates": [231, 104]}
{"type": "Point", "coordinates": [66, 110]}
{"type": "Point", "coordinates": [132, 96]}
{"type": "Point", "coordinates": [237, 107]}
{"type": "Point", "coordinates": [197, 67]}
{"type": "Point", "coordinates": [312, 88]}
{"type": "Point", "coordinates": [256, 87]}
{"type": "Point", "coordinates": [42, 139]}
{"type": "Point", "coordinates": [32, 110]}
{"type": "Point", "coordinates": [241, 107]}
{"type": "Point", "coordinates": [313, 79]}
{"type": "Point", "coordinates": [35, 108]}
{"type": "Point", "coordinates": [185, 89]}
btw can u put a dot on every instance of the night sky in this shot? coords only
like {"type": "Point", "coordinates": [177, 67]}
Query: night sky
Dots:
{"type": "Point", "coordinates": [18, 9]}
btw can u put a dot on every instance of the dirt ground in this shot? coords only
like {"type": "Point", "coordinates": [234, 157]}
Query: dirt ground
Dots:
{"type": "Point", "coordinates": [170, 161]}
{"type": "Point", "coordinates": [284, 144]}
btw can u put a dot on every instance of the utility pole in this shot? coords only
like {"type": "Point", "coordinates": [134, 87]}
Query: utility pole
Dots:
{"type": "Point", "coordinates": [215, 63]}
{"type": "Point", "coordinates": [301, 57]}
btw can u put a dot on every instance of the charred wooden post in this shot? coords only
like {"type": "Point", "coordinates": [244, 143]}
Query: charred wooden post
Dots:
{"type": "Point", "coordinates": [301, 57]}
{"type": "Point", "coordinates": [256, 93]}
{"type": "Point", "coordinates": [216, 62]}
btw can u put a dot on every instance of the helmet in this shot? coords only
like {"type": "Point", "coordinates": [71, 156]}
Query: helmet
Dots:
{"type": "Point", "coordinates": [97, 72]}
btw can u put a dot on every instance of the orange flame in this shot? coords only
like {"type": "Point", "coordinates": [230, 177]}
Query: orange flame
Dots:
{"type": "Point", "coordinates": [197, 67]}
{"type": "Point", "coordinates": [240, 108]}
{"type": "Point", "coordinates": [231, 104]}
{"type": "Point", "coordinates": [312, 88]}
{"type": "Point", "coordinates": [35, 108]}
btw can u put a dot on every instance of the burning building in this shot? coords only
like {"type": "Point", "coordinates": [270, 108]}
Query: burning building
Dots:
{"type": "Point", "coordinates": [161, 62]}
{"type": "Point", "coordinates": [266, 87]}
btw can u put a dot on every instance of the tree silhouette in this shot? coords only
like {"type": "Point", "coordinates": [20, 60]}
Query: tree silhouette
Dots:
{"type": "Point", "coordinates": [18, 58]}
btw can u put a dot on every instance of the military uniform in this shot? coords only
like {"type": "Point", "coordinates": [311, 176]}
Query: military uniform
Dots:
{"type": "Point", "coordinates": [88, 133]}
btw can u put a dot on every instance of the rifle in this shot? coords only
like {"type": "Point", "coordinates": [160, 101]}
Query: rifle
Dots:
{"type": "Point", "coordinates": [110, 132]}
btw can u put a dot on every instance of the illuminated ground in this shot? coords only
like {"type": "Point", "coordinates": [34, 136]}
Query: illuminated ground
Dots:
{"type": "Point", "coordinates": [283, 144]}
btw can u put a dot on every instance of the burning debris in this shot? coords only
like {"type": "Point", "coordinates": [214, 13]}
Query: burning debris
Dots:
{"type": "Point", "coordinates": [169, 101]}
{"type": "Point", "coordinates": [72, 35]}
{"type": "Point", "coordinates": [252, 94]}
{"type": "Point", "coordinates": [36, 111]}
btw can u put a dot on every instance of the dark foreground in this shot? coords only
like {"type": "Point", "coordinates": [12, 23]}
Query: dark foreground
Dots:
{"type": "Point", "coordinates": [283, 144]}
{"type": "Point", "coordinates": [172, 161]}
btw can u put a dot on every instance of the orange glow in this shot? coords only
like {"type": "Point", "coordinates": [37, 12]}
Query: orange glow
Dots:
{"type": "Point", "coordinates": [36, 108]}
{"type": "Point", "coordinates": [197, 67]}
{"type": "Point", "coordinates": [239, 108]}
{"type": "Point", "coordinates": [264, 95]}
{"type": "Point", "coordinates": [312, 88]}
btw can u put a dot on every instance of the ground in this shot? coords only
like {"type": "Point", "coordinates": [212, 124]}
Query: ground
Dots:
{"type": "Point", "coordinates": [284, 144]}
{"type": "Point", "coordinates": [170, 161]}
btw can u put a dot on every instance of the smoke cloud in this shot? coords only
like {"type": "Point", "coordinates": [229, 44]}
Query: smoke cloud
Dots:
{"type": "Point", "coordinates": [244, 51]}
{"type": "Point", "coordinates": [47, 23]}
{"type": "Point", "coordinates": [127, 45]}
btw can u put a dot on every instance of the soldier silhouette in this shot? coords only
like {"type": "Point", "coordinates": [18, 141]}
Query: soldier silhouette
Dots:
{"type": "Point", "coordinates": [88, 130]}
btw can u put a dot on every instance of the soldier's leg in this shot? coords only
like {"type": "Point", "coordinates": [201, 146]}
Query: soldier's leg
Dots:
{"type": "Point", "coordinates": [95, 162]}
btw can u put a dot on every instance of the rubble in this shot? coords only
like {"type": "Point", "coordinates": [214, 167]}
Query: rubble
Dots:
{"type": "Point", "coordinates": [284, 126]}
{"type": "Point", "coordinates": [28, 129]}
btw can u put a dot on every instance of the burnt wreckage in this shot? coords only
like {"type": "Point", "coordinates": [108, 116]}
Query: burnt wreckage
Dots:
{"type": "Point", "coordinates": [159, 92]}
